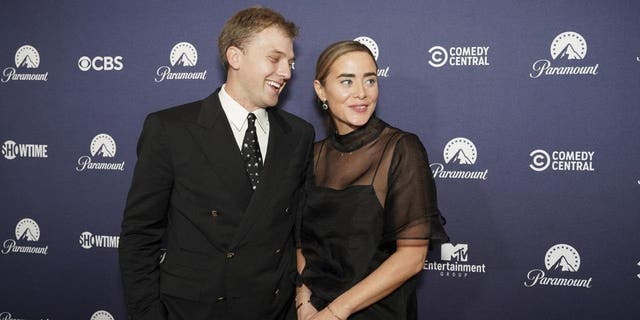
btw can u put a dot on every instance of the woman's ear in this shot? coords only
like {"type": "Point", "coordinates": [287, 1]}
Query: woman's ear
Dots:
{"type": "Point", "coordinates": [319, 88]}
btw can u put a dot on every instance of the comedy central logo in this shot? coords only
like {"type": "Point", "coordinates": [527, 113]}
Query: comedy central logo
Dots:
{"type": "Point", "coordinates": [182, 57]}
{"type": "Point", "coordinates": [559, 258]}
{"type": "Point", "coordinates": [458, 153]}
{"type": "Point", "coordinates": [565, 48]}
{"type": "Point", "coordinates": [375, 50]}
{"type": "Point", "coordinates": [561, 160]}
{"type": "Point", "coordinates": [102, 146]}
{"type": "Point", "coordinates": [459, 56]}
{"type": "Point", "coordinates": [26, 58]}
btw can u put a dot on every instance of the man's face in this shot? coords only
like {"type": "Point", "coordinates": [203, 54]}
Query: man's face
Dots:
{"type": "Point", "coordinates": [263, 69]}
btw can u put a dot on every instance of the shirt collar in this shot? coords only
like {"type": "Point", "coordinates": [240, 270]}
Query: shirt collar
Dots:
{"type": "Point", "coordinates": [237, 114]}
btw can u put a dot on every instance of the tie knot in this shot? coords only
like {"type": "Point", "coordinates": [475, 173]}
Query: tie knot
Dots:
{"type": "Point", "coordinates": [251, 117]}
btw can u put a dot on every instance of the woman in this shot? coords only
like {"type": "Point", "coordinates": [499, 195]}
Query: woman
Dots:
{"type": "Point", "coordinates": [370, 209]}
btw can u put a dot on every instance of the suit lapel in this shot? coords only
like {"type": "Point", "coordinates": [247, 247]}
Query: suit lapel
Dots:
{"type": "Point", "coordinates": [278, 151]}
{"type": "Point", "coordinates": [216, 139]}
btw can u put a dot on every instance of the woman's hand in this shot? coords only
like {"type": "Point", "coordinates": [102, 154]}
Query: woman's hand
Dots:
{"type": "Point", "coordinates": [327, 314]}
{"type": "Point", "coordinates": [306, 311]}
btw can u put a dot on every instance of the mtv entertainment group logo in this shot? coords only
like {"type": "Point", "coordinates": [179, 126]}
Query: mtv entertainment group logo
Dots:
{"type": "Point", "coordinates": [459, 153]}
{"type": "Point", "coordinates": [12, 150]}
{"type": "Point", "coordinates": [459, 56]}
{"type": "Point", "coordinates": [101, 315]}
{"type": "Point", "coordinates": [568, 48]}
{"type": "Point", "coordinates": [560, 258]}
{"type": "Point", "coordinates": [183, 56]}
{"type": "Point", "coordinates": [102, 147]}
{"type": "Point", "coordinates": [89, 240]}
{"type": "Point", "coordinates": [375, 50]}
{"type": "Point", "coordinates": [541, 160]}
{"type": "Point", "coordinates": [26, 231]}
{"type": "Point", "coordinates": [26, 59]}
{"type": "Point", "coordinates": [456, 266]}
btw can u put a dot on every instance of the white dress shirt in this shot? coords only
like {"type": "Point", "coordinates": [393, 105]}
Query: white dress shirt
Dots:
{"type": "Point", "coordinates": [237, 117]}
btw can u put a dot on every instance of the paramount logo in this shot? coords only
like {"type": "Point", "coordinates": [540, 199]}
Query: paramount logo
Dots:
{"type": "Point", "coordinates": [567, 47]}
{"type": "Point", "coordinates": [458, 152]}
{"type": "Point", "coordinates": [183, 55]}
{"type": "Point", "coordinates": [559, 258]}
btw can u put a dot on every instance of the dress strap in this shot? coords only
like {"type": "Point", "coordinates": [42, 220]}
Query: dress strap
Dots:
{"type": "Point", "coordinates": [373, 179]}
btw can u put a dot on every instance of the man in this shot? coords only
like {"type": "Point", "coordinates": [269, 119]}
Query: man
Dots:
{"type": "Point", "coordinates": [216, 178]}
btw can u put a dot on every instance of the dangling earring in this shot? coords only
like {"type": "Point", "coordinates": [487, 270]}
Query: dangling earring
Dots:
{"type": "Point", "coordinates": [324, 105]}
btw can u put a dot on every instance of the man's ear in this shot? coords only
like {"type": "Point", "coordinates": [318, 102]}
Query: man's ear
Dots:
{"type": "Point", "coordinates": [234, 57]}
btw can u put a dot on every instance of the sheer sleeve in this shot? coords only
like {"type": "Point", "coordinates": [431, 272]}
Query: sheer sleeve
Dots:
{"type": "Point", "coordinates": [411, 210]}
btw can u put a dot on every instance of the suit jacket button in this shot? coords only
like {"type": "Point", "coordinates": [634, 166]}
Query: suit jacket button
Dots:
{"type": "Point", "coordinates": [277, 292]}
{"type": "Point", "coordinates": [286, 210]}
{"type": "Point", "coordinates": [215, 213]}
{"type": "Point", "coordinates": [230, 255]}
{"type": "Point", "coordinates": [278, 250]}
{"type": "Point", "coordinates": [220, 299]}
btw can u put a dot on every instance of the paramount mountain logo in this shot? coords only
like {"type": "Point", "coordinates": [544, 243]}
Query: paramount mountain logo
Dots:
{"type": "Point", "coordinates": [375, 50]}
{"type": "Point", "coordinates": [458, 152]}
{"type": "Point", "coordinates": [101, 315]}
{"type": "Point", "coordinates": [566, 47]}
{"type": "Point", "coordinates": [102, 146]}
{"type": "Point", "coordinates": [558, 259]}
{"type": "Point", "coordinates": [27, 230]}
{"type": "Point", "coordinates": [456, 266]}
{"type": "Point", "coordinates": [183, 56]}
{"type": "Point", "coordinates": [26, 58]}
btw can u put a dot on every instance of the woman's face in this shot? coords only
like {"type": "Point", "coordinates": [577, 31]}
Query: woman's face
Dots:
{"type": "Point", "coordinates": [350, 90]}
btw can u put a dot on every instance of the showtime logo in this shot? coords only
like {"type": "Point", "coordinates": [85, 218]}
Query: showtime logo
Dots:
{"type": "Point", "coordinates": [558, 259]}
{"type": "Point", "coordinates": [26, 58]}
{"type": "Point", "coordinates": [183, 56]}
{"type": "Point", "coordinates": [567, 48]}
{"type": "Point", "coordinates": [89, 240]}
{"type": "Point", "coordinates": [12, 150]}
{"type": "Point", "coordinates": [373, 47]}
{"type": "Point", "coordinates": [458, 152]}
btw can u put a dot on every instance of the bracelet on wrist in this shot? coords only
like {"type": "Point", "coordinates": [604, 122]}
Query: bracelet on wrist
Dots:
{"type": "Point", "coordinates": [301, 303]}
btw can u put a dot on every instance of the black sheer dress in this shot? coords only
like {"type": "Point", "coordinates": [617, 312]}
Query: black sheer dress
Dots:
{"type": "Point", "coordinates": [369, 188]}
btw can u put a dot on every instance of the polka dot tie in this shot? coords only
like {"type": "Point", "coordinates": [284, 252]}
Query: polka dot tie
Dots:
{"type": "Point", "coordinates": [251, 152]}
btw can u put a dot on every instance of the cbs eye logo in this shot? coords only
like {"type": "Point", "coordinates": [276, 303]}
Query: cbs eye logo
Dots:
{"type": "Point", "coordinates": [100, 63]}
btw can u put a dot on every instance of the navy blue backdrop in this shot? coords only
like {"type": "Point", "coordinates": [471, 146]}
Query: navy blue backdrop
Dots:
{"type": "Point", "coordinates": [530, 112]}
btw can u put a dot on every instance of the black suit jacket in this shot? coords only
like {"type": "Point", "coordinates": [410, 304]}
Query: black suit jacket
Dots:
{"type": "Point", "coordinates": [227, 246]}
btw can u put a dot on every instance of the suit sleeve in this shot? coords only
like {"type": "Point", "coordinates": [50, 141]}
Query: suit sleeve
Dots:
{"type": "Point", "coordinates": [301, 194]}
{"type": "Point", "coordinates": [144, 223]}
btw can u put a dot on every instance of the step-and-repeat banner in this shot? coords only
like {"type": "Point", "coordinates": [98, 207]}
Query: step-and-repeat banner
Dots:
{"type": "Point", "coordinates": [529, 110]}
